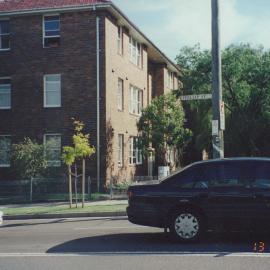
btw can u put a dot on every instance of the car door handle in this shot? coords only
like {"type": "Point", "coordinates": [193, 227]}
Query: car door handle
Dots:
{"type": "Point", "coordinates": [203, 195]}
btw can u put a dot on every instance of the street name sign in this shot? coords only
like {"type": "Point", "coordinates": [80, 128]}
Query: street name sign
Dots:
{"type": "Point", "coordinates": [196, 97]}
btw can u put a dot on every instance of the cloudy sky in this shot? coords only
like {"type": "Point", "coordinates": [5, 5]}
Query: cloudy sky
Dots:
{"type": "Point", "coordinates": [172, 24]}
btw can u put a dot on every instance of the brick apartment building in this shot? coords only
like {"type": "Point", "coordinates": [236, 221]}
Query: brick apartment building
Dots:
{"type": "Point", "coordinates": [77, 58]}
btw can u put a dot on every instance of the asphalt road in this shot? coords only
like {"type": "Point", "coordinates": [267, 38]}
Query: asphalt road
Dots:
{"type": "Point", "coordinates": [110, 243]}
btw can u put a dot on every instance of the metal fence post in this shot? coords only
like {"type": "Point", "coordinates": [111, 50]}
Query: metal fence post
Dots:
{"type": "Point", "coordinates": [31, 189]}
{"type": "Point", "coordinates": [89, 186]}
{"type": "Point", "coordinates": [111, 188]}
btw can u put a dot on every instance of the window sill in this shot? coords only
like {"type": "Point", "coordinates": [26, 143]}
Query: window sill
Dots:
{"type": "Point", "coordinates": [5, 108]}
{"type": "Point", "coordinates": [138, 67]}
{"type": "Point", "coordinates": [4, 50]}
{"type": "Point", "coordinates": [134, 165]}
{"type": "Point", "coordinates": [53, 106]}
{"type": "Point", "coordinates": [134, 114]}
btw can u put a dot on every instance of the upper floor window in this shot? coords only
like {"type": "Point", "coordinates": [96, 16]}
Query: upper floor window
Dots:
{"type": "Point", "coordinates": [135, 154]}
{"type": "Point", "coordinates": [4, 35]}
{"type": "Point", "coordinates": [170, 78]}
{"type": "Point", "coordinates": [5, 149]}
{"type": "Point", "coordinates": [51, 31]}
{"type": "Point", "coordinates": [120, 150]}
{"type": "Point", "coordinates": [120, 40]}
{"type": "Point", "coordinates": [52, 143]}
{"type": "Point", "coordinates": [5, 93]}
{"type": "Point", "coordinates": [52, 90]}
{"type": "Point", "coordinates": [120, 95]}
{"type": "Point", "coordinates": [135, 100]}
{"type": "Point", "coordinates": [135, 52]}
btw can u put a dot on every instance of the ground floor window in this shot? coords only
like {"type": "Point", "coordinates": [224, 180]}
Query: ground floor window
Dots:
{"type": "Point", "coordinates": [5, 149]}
{"type": "Point", "coordinates": [52, 143]}
{"type": "Point", "coordinates": [135, 154]}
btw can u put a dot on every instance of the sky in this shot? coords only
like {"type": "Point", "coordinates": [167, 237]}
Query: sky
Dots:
{"type": "Point", "coordinates": [172, 24]}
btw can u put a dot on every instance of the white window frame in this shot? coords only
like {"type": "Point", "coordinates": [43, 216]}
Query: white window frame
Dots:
{"type": "Point", "coordinates": [135, 100]}
{"type": "Point", "coordinates": [5, 49]}
{"type": "Point", "coordinates": [135, 154]}
{"type": "Point", "coordinates": [6, 107]}
{"type": "Point", "coordinates": [135, 52]}
{"type": "Point", "coordinates": [45, 91]}
{"type": "Point", "coordinates": [170, 80]}
{"type": "Point", "coordinates": [5, 165]}
{"type": "Point", "coordinates": [120, 40]}
{"type": "Point", "coordinates": [120, 153]}
{"type": "Point", "coordinates": [120, 94]}
{"type": "Point", "coordinates": [53, 163]}
{"type": "Point", "coordinates": [43, 28]}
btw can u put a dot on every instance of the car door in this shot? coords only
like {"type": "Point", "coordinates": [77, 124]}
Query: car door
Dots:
{"type": "Point", "coordinates": [230, 198]}
{"type": "Point", "coordinates": [260, 184]}
{"type": "Point", "coordinates": [188, 187]}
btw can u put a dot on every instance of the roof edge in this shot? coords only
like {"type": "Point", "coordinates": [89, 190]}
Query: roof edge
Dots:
{"type": "Point", "coordinates": [54, 9]}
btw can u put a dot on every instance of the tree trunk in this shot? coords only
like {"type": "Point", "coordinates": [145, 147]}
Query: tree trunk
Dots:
{"type": "Point", "coordinates": [70, 186]}
{"type": "Point", "coordinates": [83, 181]}
{"type": "Point", "coordinates": [76, 179]}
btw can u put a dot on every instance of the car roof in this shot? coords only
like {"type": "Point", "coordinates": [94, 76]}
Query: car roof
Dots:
{"type": "Point", "coordinates": [233, 159]}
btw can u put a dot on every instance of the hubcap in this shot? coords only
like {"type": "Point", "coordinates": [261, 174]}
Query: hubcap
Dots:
{"type": "Point", "coordinates": [186, 226]}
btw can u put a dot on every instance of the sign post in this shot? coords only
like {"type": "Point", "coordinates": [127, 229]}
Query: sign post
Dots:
{"type": "Point", "coordinates": [218, 105]}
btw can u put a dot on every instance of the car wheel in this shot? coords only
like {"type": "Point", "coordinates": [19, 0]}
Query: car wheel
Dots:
{"type": "Point", "coordinates": [187, 226]}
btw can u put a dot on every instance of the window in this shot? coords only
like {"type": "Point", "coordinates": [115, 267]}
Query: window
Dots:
{"type": "Point", "coordinates": [52, 90]}
{"type": "Point", "coordinates": [52, 143]}
{"type": "Point", "coordinates": [120, 150]}
{"type": "Point", "coordinates": [170, 83]}
{"type": "Point", "coordinates": [135, 52]}
{"type": "Point", "coordinates": [135, 100]}
{"type": "Point", "coordinates": [4, 35]}
{"type": "Point", "coordinates": [229, 175]}
{"type": "Point", "coordinates": [197, 177]}
{"type": "Point", "coordinates": [5, 93]}
{"type": "Point", "coordinates": [120, 95]}
{"type": "Point", "coordinates": [120, 40]}
{"type": "Point", "coordinates": [51, 31]}
{"type": "Point", "coordinates": [5, 149]}
{"type": "Point", "coordinates": [261, 175]}
{"type": "Point", "coordinates": [135, 154]}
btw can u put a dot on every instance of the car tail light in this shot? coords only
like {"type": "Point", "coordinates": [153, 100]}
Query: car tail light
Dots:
{"type": "Point", "coordinates": [130, 194]}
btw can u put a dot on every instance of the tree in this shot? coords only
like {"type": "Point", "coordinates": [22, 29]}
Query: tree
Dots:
{"type": "Point", "coordinates": [246, 92]}
{"type": "Point", "coordinates": [29, 158]}
{"type": "Point", "coordinates": [161, 125]}
{"type": "Point", "coordinates": [80, 150]}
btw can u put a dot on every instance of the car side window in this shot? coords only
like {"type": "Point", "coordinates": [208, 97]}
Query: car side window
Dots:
{"type": "Point", "coordinates": [193, 177]}
{"type": "Point", "coordinates": [262, 176]}
{"type": "Point", "coordinates": [183, 180]}
{"type": "Point", "coordinates": [228, 174]}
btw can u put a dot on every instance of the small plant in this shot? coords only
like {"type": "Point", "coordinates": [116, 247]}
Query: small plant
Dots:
{"type": "Point", "coordinates": [80, 150]}
{"type": "Point", "coordinates": [29, 159]}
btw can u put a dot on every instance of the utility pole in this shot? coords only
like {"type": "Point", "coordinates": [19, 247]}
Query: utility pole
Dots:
{"type": "Point", "coordinates": [218, 123]}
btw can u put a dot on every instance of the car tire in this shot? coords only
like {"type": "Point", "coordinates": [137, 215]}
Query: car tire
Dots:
{"type": "Point", "coordinates": [187, 226]}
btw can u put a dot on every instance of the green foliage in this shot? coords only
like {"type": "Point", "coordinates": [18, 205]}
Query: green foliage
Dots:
{"type": "Point", "coordinates": [162, 126]}
{"type": "Point", "coordinates": [246, 92]}
{"type": "Point", "coordinates": [81, 148]}
{"type": "Point", "coordinates": [29, 158]}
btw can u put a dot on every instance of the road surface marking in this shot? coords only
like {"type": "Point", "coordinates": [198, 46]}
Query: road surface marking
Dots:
{"type": "Point", "coordinates": [146, 253]}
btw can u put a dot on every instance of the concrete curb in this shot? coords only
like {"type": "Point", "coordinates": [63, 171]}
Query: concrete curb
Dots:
{"type": "Point", "coordinates": [64, 215]}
